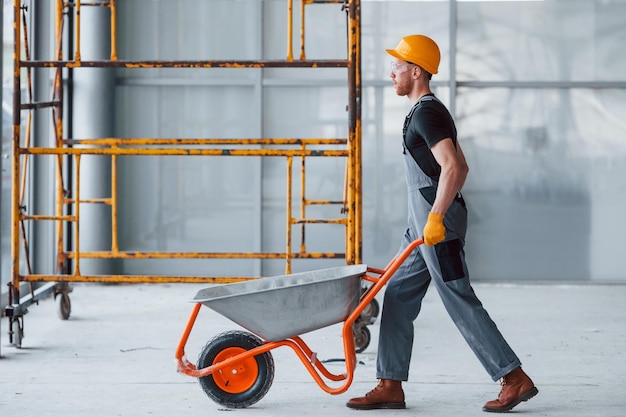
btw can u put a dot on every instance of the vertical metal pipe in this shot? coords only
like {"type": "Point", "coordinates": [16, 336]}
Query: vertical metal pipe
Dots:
{"type": "Point", "coordinates": [77, 222]}
{"type": "Point", "coordinates": [59, 30]}
{"type": "Point", "coordinates": [358, 197]}
{"type": "Point", "coordinates": [113, 7]}
{"type": "Point", "coordinates": [15, 166]}
{"type": "Point", "coordinates": [303, 201]}
{"type": "Point", "coordinates": [29, 120]}
{"type": "Point", "coordinates": [302, 54]}
{"type": "Point", "coordinates": [452, 54]}
{"type": "Point", "coordinates": [58, 132]}
{"type": "Point", "coordinates": [258, 123]}
{"type": "Point", "coordinates": [289, 216]}
{"type": "Point", "coordinates": [69, 169]}
{"type": "Point", "coordinates": [351, 140]}
{"type": "Point", "coordinates": [28, 135]}
{"type": "Point", "coordinates": [290, 31]}
{"type": "Point", "coordinates": [24, 168]}
{"type": "Point", "coordinates": [77, 52]}
{"type": "Point", "coordinates": [114, 240]}
{"type": "Point", "coordinates": [353, 238]}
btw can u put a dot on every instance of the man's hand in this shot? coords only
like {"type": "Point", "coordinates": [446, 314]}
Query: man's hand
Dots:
{"type": "Point", "coordinates": [434, 231]}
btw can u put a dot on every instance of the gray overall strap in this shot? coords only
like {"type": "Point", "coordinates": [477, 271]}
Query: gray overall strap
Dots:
{"type": "Point", "coordinates": [422, 99]}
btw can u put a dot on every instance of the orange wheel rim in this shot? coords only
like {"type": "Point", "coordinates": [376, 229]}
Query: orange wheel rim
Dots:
{"type": "Point", "coordinates": [238, 377]}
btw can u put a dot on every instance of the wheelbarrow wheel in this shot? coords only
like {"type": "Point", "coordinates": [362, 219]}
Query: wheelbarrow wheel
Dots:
{"type": "Point", "coordinates": [243, 383]}
{"type": "Point", "coordinates": [362, 336]}
{"type": "Point", "coordinates": [370, 313]}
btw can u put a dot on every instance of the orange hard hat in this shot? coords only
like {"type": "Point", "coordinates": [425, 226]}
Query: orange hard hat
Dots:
{"type": "Point", "coordinates": [420, 50]}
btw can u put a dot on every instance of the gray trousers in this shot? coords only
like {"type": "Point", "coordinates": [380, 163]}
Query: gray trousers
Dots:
{"type": "Point", "coordinates": [402, 303]}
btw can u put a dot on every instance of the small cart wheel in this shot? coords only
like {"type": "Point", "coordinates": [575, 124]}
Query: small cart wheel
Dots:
{"type": "Point", "coordinates": [16, 331]}
{"type": "Point", "coordinates": [362, 336]}
{"type": "Point", "coordinates": [64, 306]}
{"type": "Point", "coordinates": [243, 383]}
{"type": "Point", "coordinates": [370, 312]}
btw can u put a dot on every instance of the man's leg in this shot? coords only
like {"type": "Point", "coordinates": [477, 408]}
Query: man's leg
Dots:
{"type": "Point", "coordinates": [401, 305]}
{"type": "Point", "coordinates": [451, 279]}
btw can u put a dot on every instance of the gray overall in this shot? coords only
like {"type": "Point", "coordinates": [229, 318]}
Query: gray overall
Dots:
{"type": "Point", "coordinates": [444, 264]}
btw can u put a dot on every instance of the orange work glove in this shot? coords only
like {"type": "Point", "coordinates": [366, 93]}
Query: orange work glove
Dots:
{"type": "Point", "coordinates": [434, 231]}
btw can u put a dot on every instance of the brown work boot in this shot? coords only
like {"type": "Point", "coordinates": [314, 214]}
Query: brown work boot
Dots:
{"type": "Point", "coordinates": [516, 387]}
{"type": "Point", "coordinates": [387, 394]}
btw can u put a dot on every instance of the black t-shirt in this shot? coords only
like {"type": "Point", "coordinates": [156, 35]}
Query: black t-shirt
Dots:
{"type": "Point", "coordinates": [427, 124]}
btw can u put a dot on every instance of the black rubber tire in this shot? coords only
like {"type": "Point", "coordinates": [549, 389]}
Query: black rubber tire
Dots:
{"type": "Point", "coordinates": [362, 336]}
{"type": "Point", "coordinates": [64, 305]}
{"type": "Point", "coordinates": [265, 364]}
{"type": "Point", "coordinates": [18, 331]}
{"type": "Point", "coordinates": [371, 311]}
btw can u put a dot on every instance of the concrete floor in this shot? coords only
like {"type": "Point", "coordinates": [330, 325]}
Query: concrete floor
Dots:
{"type": "Point", "coordinates": [115, 357]}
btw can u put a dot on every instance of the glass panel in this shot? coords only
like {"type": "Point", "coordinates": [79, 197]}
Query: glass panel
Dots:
{"type": "Point", "coordinates": [544, 169]}
{"type": "Point", "coordinates": [189, 204]}
{"type": "Point", "coordinates": [305, 112]}
{"type": "Point", "coordinates": [188, 30]}
{"type": "Point", "coordinates": [577, 40]}
{"type": "Point", "coordinates": [384, 23]}
{"type": "Point", "coordinates": [325, 31]}
{"type": "Point", "coordinates": [547, 165]}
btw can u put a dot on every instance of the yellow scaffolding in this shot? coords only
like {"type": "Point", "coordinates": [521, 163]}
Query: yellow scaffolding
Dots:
{"type": "Point", "coordinates": [69, 261]}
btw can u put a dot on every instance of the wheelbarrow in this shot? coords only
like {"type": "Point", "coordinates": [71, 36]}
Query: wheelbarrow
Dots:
{"type": "Point", "coordinates": [236, 368]}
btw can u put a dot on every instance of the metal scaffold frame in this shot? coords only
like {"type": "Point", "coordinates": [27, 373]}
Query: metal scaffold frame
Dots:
{"type": "Point", "coordinates": [68, 199]}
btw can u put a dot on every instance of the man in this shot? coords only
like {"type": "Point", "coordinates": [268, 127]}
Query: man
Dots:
{"type": "Point", "coordinates": [435, 173]}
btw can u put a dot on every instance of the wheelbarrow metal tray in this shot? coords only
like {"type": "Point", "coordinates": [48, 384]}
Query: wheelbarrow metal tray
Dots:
{"type": "Point", "coordinates": [277, 308]}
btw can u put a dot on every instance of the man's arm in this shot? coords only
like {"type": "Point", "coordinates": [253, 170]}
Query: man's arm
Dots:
{"type": "Point", "coordinates": [454, 170]}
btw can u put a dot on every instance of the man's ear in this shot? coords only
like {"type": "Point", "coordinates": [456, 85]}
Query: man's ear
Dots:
{"type": "Point", "coordinates": [417, 72]}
